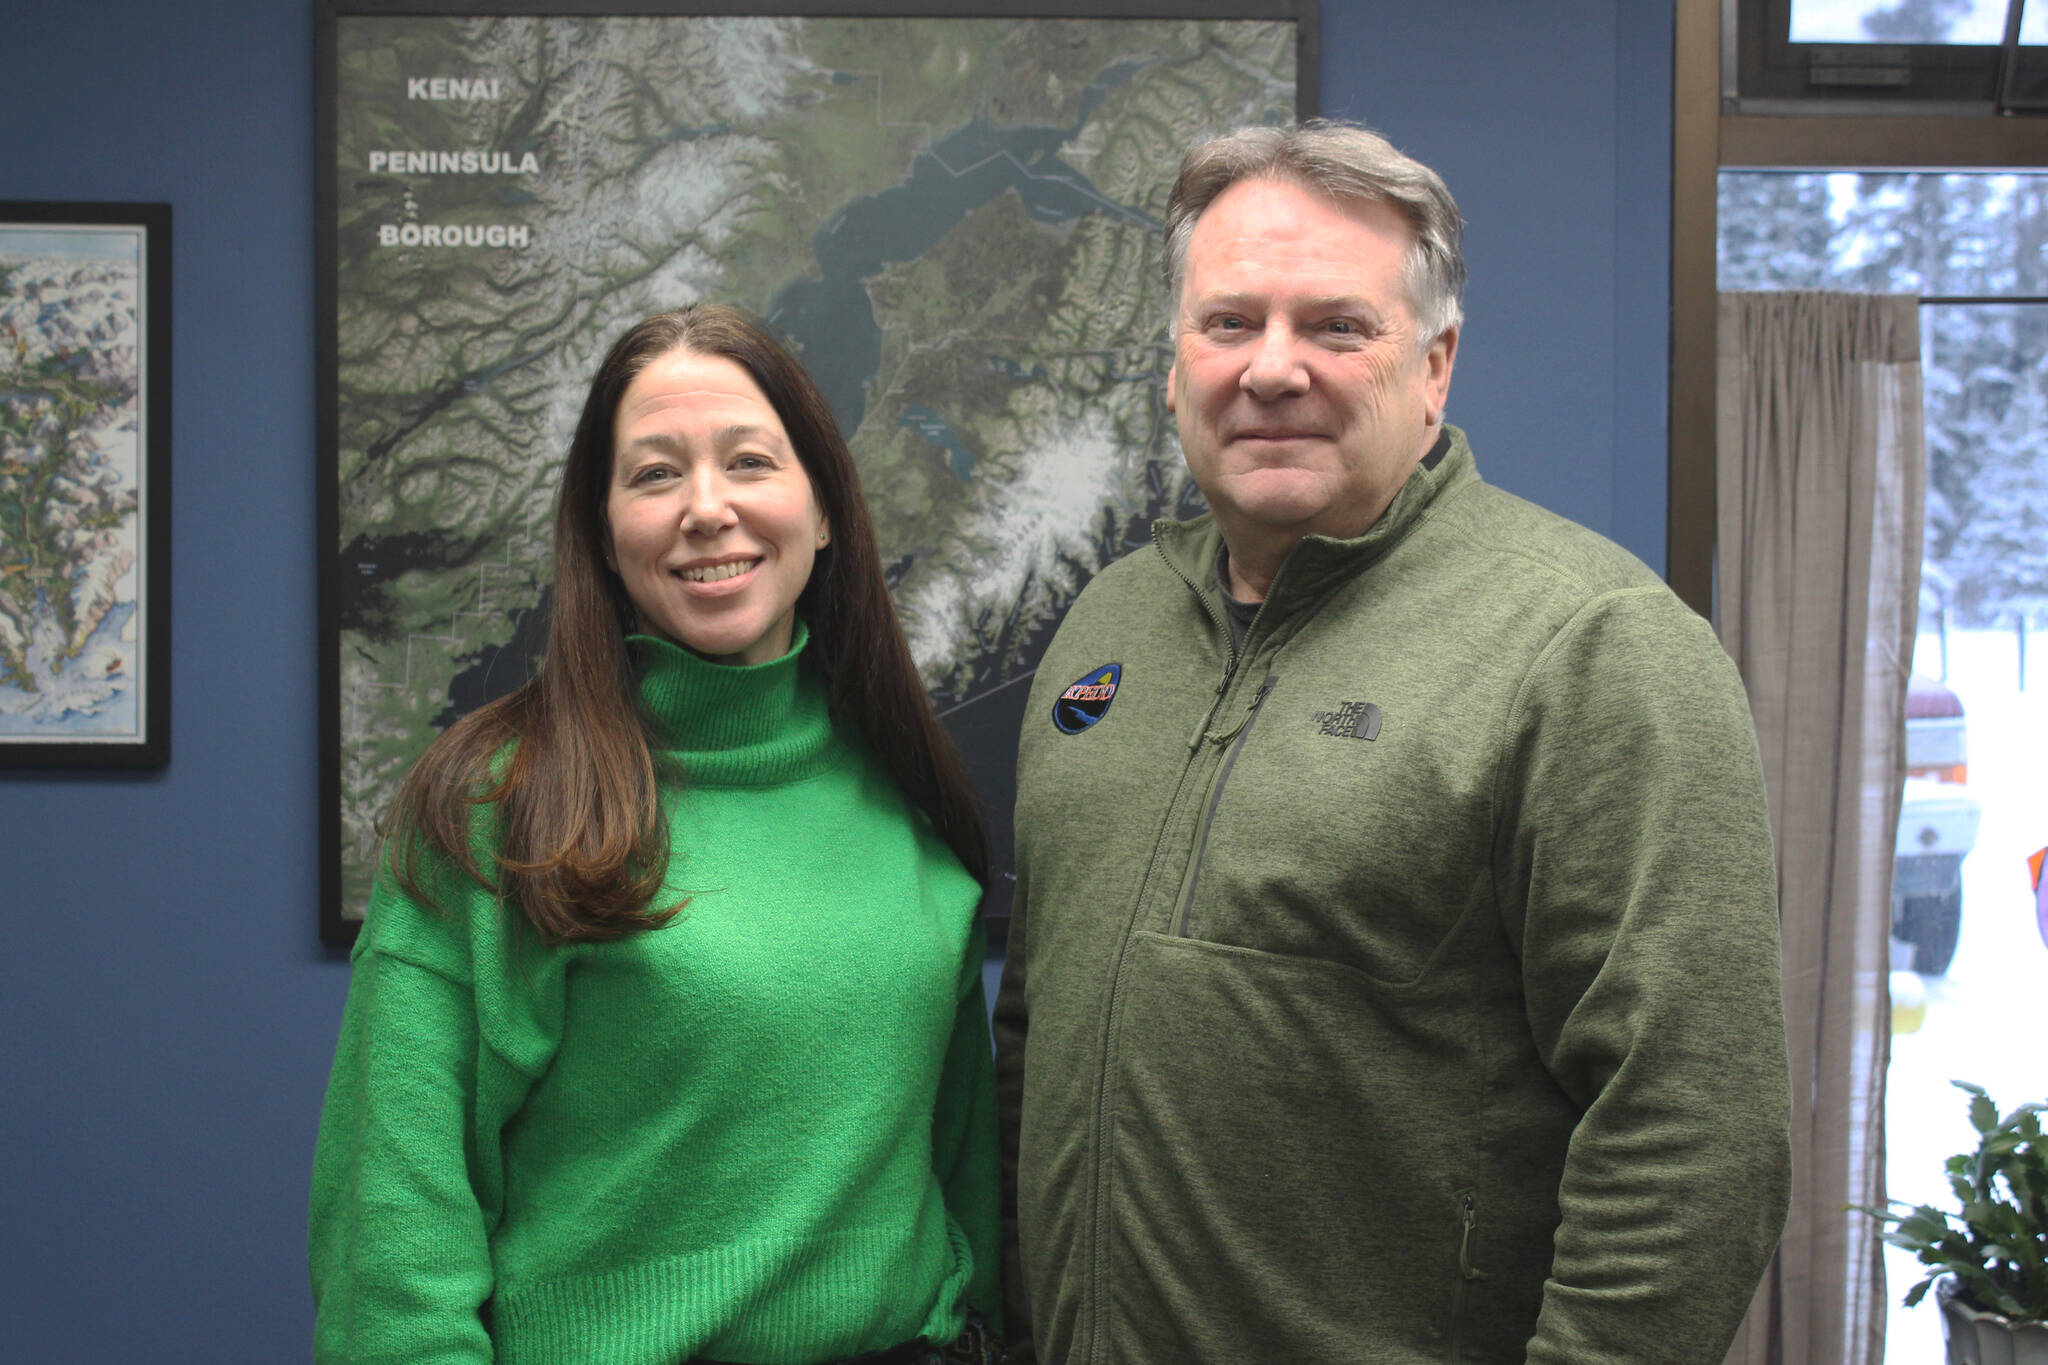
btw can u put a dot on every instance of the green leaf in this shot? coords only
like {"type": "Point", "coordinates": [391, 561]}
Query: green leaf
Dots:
{"type": "Point", "coordinates": [1995, 1243]}
{"type": "Point", "coordinates": [1925, 1223]}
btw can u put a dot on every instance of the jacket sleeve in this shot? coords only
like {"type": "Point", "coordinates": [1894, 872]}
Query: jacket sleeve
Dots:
{"type": "Point", "coordinates": [407, 1178]}
{"type": "Point", "coordinates": [964, 1138]}
{"type": "Point", "coordinates": [1637, 883]}
{"type": "Point", "coordinates": [1011, 1025]}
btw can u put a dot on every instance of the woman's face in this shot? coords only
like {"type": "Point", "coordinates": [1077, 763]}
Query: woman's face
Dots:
{"type": "Point", "coordinates": [713, 524]}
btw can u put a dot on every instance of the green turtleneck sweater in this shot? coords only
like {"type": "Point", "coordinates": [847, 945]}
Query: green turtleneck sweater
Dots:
{"type": "Point", "coordinates": [762, 1133]}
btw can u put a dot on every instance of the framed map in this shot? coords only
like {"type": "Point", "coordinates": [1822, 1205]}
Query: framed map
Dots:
{"type": "Point", "coordinates": [85, 462]}
{"type": "Point", "coordinates": [953, 218]}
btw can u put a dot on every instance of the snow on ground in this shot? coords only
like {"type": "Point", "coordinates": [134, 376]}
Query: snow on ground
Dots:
{"type": "Point", "coordinates": [1985, 1017]}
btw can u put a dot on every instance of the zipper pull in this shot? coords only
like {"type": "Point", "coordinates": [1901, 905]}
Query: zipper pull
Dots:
{"type": "Point", "coordinates": [1251, 712]}
{"type": "Point", "coordinates": [1229, 672]}
{"type": "Point", "coordinates": [1465, 1267]}
{"type": "Point", "coordinates": [1202, 722]}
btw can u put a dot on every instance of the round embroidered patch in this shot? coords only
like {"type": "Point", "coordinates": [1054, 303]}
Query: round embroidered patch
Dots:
{"type": "Point", "coordinates": [1086, 699]}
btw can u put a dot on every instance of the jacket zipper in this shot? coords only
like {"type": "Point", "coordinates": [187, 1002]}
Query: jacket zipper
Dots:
{"type": "Point", "coordinates": [1467, 1273]}
{"type": "Point", "coordinates": [1242, 732]}
{"type": "Point", "coordinates": [1222, 626]}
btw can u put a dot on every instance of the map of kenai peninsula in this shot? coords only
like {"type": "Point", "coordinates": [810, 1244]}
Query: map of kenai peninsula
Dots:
{"type": "Point", "coordinates": [956, 223]}
{"type": "Point", "coordinates": [71, 388]}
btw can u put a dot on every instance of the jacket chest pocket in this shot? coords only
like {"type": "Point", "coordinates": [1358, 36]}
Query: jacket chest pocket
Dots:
{"type": "Point", "coordinates": [1340, 831]}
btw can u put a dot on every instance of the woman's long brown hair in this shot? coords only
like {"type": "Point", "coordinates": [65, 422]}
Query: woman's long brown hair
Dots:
{"type": "Point", "coordinates": [582, 843]}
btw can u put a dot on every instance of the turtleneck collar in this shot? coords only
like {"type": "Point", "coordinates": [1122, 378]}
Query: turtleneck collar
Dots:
{"type": "Point", "coordinates": [734, 725]}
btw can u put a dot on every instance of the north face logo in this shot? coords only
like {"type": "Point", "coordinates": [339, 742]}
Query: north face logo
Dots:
{"type": "Point", "coordinates": [1351, 720]}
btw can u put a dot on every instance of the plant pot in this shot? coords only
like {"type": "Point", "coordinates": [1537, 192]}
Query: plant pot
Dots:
{"type": "Point", "coordinates": [1976, 1337]}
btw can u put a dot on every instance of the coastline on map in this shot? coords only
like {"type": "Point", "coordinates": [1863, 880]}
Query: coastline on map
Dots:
{"type": "Point", "coordinates": [71, 533]}
{"type": "Point", "coordinates": [107, 703]}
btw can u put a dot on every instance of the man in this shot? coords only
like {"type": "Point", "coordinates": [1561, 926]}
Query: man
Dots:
{"type": "Point", "coordinates": [1394, 975]}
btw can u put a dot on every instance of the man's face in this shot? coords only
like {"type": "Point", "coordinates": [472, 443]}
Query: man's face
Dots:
{"type": "Point", "coordinates": [1303, 396]}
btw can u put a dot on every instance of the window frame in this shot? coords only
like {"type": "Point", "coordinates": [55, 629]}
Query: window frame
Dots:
{"type": "Point", "coordinates": [1712, 131]}
{"type": "Point", "coordinates": [1766, 72]}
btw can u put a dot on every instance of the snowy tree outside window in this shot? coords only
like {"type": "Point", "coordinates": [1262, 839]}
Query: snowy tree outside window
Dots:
{"type": "Point", "coordinates": [1986, 366]}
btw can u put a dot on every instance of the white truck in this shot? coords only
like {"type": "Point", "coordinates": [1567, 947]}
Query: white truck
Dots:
{"type": "Point", "coordinates": [1937, 828]}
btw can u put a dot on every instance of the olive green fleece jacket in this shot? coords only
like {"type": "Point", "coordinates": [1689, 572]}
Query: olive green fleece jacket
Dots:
{"type": "Point", "coordinates": [1404, 988]}
{"type": "Point", "coordinates": [763, 1132]}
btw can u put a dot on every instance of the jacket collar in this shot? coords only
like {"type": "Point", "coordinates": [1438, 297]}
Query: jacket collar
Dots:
{"type": "Point", "coordinates": [1318, 563]}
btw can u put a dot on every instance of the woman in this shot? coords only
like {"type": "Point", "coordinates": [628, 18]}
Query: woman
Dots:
{"type": "Point", "coordinates": [665, 1038]}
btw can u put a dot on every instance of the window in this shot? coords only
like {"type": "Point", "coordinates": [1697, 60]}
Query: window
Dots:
{"type": "Point", "coordinates": [1838, 55]}
{"type": "Point", "coordinates": [1975, 247]}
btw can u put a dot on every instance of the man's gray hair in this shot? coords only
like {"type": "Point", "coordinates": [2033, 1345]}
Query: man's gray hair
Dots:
{"type": "Point", "coordinates": [1350, 164]}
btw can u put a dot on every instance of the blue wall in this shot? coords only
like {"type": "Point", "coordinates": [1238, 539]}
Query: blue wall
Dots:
{"type": "Point", "coordinates": [166, 1012]}
{"type": "Point", "coordinates": [1552, 125]}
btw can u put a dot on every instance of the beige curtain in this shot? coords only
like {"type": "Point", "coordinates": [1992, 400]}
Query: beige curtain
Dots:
{"type": "Point", "coordinates": [1821, 486]}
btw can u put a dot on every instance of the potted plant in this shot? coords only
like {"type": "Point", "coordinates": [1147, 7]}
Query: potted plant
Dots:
{"type": "Point", "coordinates": [1988, 1263]}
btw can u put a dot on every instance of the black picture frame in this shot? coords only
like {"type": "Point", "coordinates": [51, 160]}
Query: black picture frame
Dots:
{"type": "Point", "coordinates": [355, 566]}
{"type": "Point", "coordinates": [85, 367]}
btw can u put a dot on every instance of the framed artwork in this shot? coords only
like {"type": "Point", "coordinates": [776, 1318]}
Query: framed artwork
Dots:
{"type": "Point", "coordinates": [952, 215]}
{"type": "Point", "coordinates": [85, 481]}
